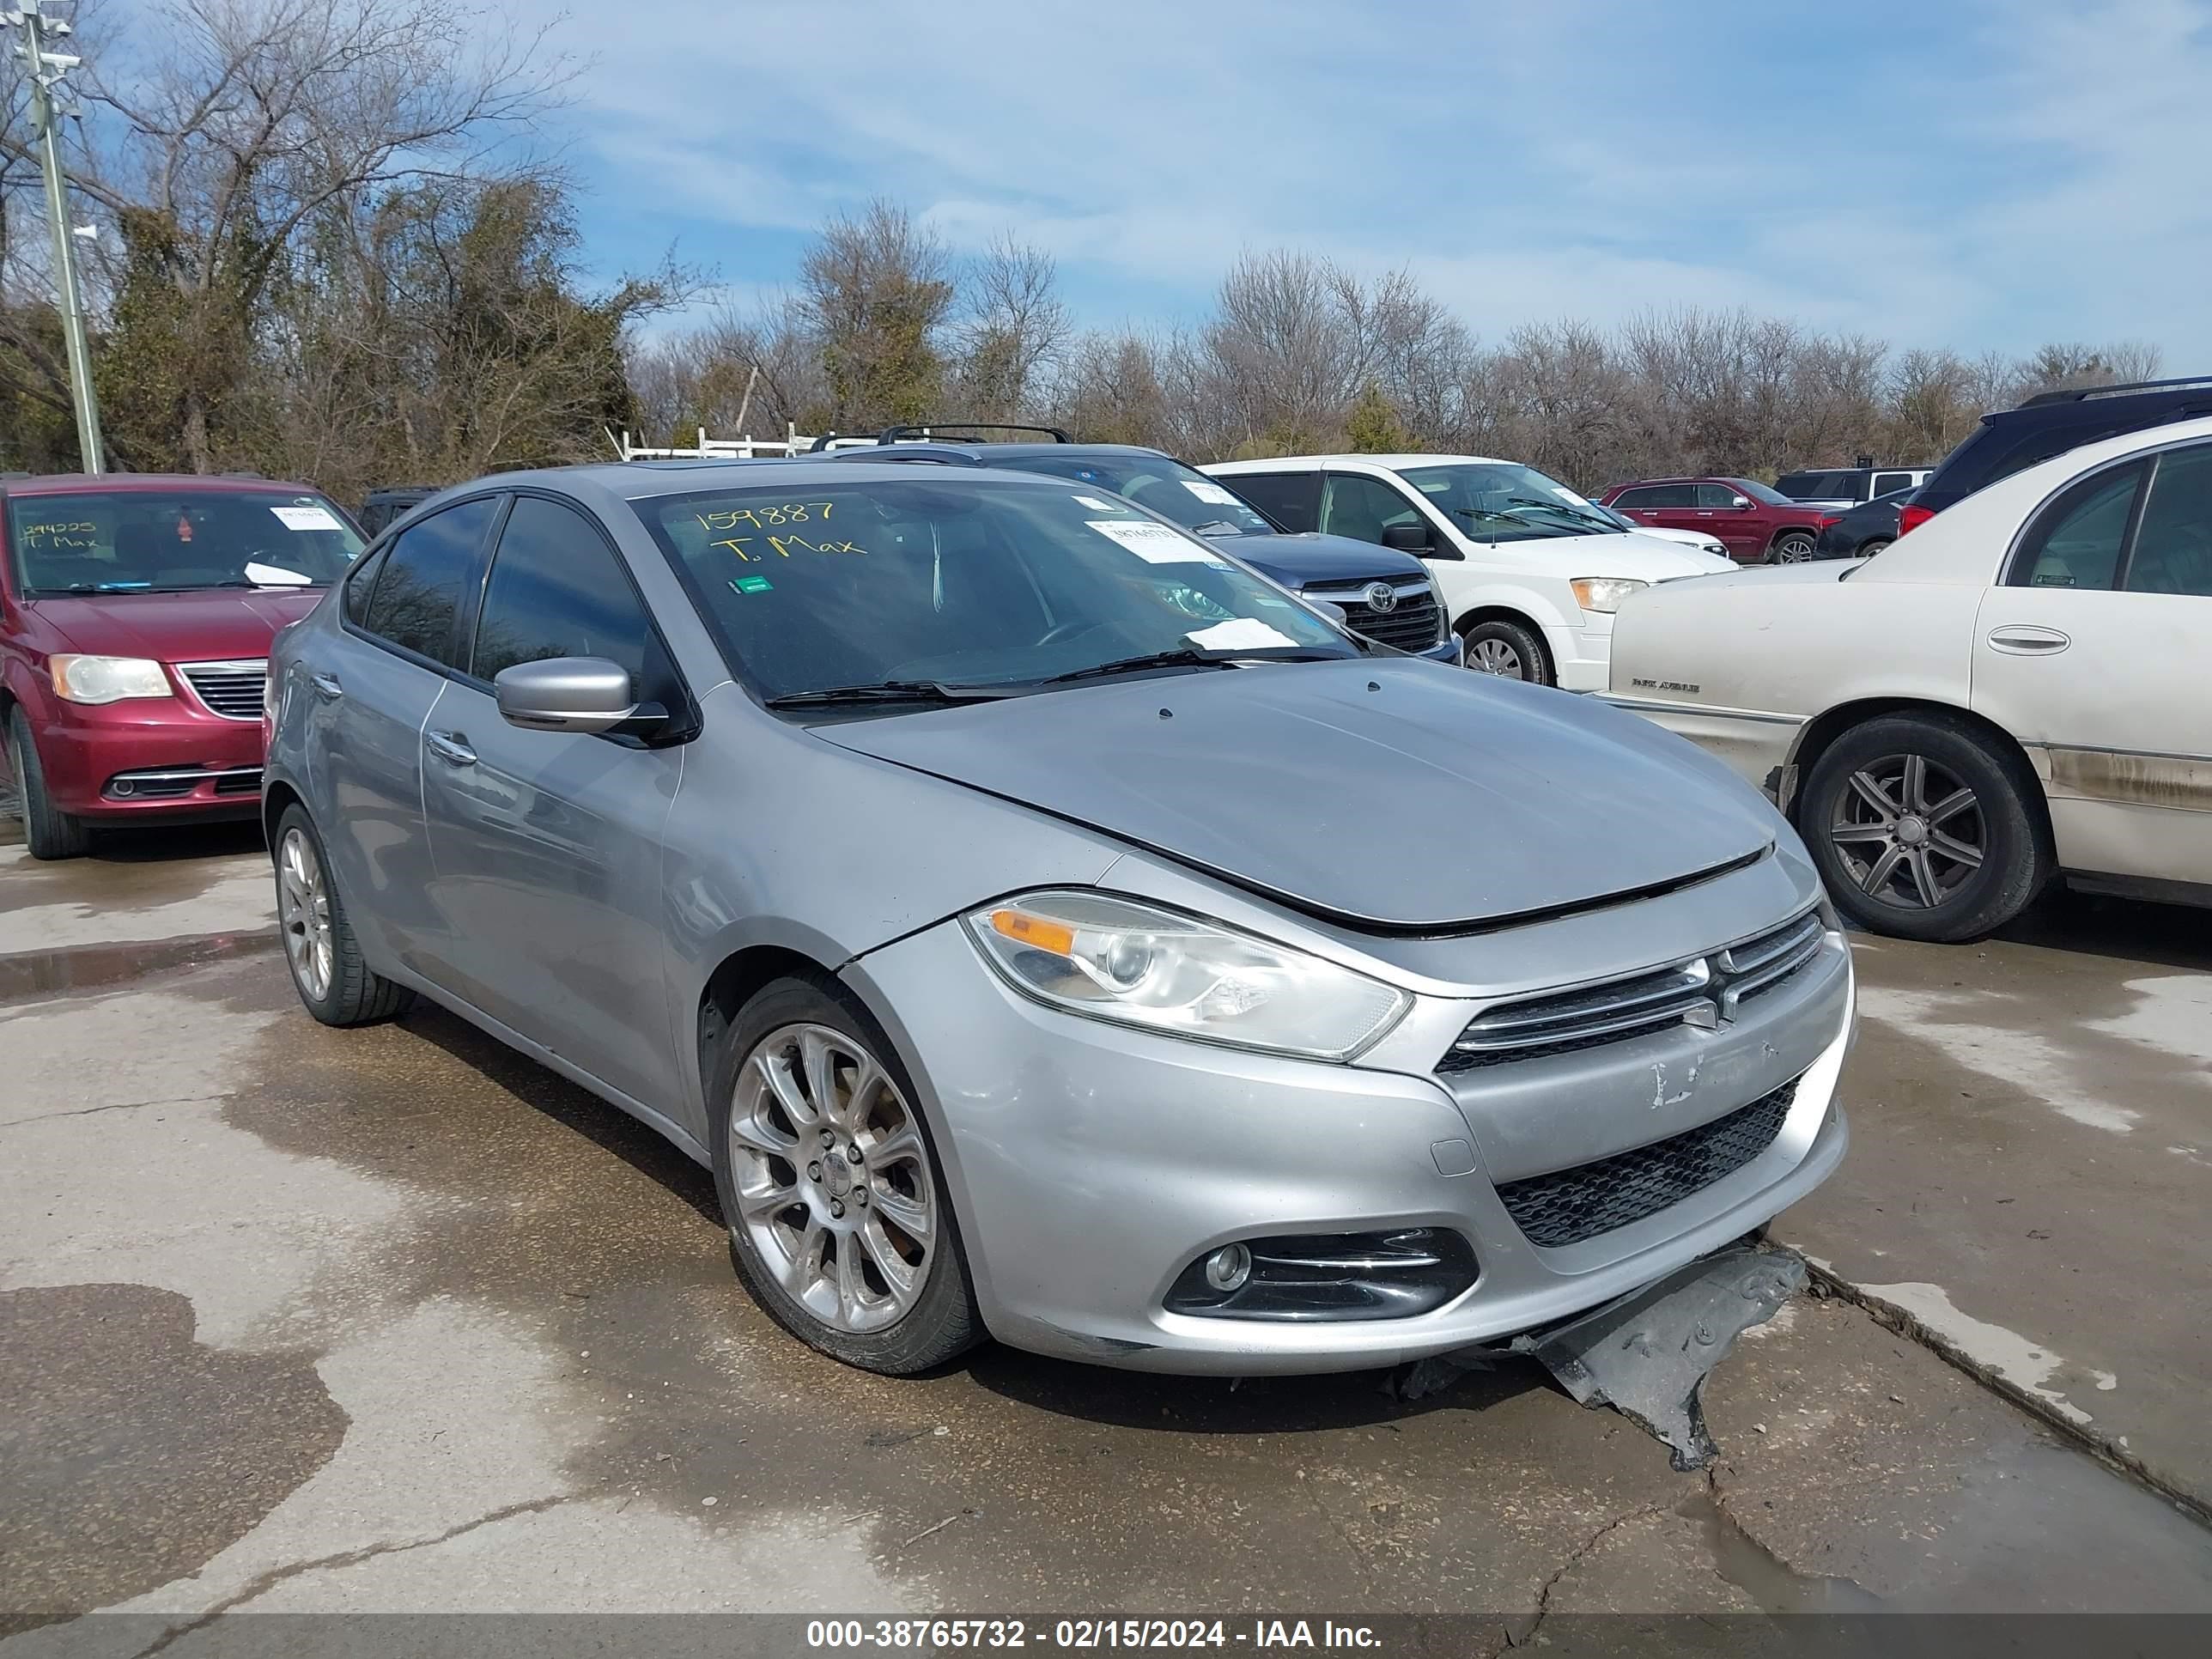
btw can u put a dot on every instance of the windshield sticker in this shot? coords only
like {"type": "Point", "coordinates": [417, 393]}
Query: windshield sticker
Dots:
{"type": "Point", "coordinates": [1098, 505]}
{"type": "Point", "coordinates": [1155, 543]}
{"type": "Point", "coordinates": [306, 518]}
{"type": "Point", "coordinates": [781, 546]}
{"type": "Point", "coordinates": [1567, 495]}
{"type": "Point", "coordinates": [275, 575]}
{"type": "Point", "coordinates": [762, 518]}
{"type": "Point", "coordinates": [1211, 494]}
{"type": "Point", "coordinates": [752, 585]}
{"type": "Point", "coordinates": [1238, 633]}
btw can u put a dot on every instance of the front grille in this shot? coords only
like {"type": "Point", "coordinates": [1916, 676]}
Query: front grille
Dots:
{"type": "Point", "coordinates": [231, 689]}
{"type": "Point", "coordinates": [1413, 623]}
{"type": "Point", "coordinates": [1569, 1206]}
{"type": "Point", "coordinates": [1703, 990]}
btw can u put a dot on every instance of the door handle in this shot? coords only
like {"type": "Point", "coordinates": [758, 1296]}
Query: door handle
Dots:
{"type": "Point", "coordinates": [326, 687]}
{"type": "Point", "coordinates": [451, 747]}
{"type": "Point", "coordinates": [2022, 640]}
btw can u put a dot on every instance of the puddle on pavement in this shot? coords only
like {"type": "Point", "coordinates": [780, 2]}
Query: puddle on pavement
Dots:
{"type": "Point", "coordinates": [195, 1445]}
{"type": "Point", "coordinates": [92, 967]}
{"type": "Point", "coordinates": [1775, 1586]}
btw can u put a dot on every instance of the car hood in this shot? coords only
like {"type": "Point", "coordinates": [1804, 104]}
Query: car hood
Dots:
{"type": "Point", "coordinates": [1313, 559]}
{"type": "Point", "coordinates": [1628, 553]}
{"type": "Point", "coordinates": [213, 625]}
{"type": "Point", "coordinates": [1377, 792]}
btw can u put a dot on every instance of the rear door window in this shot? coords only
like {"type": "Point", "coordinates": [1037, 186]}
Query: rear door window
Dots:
{"type": "Point", "coordinates": [1292, 500]}
{"type": "Point", "coordinates": [424, 577]}
{"type": "Point", "coordinates": [2173, 551]}
{"type": "Point", "coordinates": [2077, 540]}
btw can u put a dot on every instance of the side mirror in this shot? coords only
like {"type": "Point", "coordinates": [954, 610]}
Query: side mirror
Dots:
{"type": "Point", "coordinates": [1739, 502]}
{"type": "Point", "coordinates": [1408, 538]}
{"type": "Point", "coordinates": [565, 694]}
{"type": "Point", "coordinates": [1336, 613]}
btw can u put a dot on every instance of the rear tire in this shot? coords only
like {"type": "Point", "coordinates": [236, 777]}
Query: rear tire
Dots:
{"type": "Point", "coordinates": [1793, 547]}
{"type": "Point", "coordinates": [1923, 829]}
{"type": "Point", "coordinates": [803, 1080]}
{"type": "Point", "coordinates": [1869, 549]}
{"type": "Point", "coordinates": [336, 987]}
{"type": "Point", "coordinates": [48, 832]}
{"type": "Point", "coordinates": [1508, 651]}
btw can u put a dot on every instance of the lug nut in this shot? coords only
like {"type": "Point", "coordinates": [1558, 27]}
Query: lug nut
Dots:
{"type": "Point", "coordinates": [859, 1195]}
{"type": "Point", "coordinates": [838, 1208]}
{"type": "Point", "coordinates": [853, 1153]}
{"type": "Point", "coordinates": [828, 1137]}
{"type": "Point", "coordinates": [814, 1172]}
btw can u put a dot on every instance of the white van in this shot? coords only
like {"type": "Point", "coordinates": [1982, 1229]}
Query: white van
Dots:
{"type": "Point", "coordinates": [1529, 572]}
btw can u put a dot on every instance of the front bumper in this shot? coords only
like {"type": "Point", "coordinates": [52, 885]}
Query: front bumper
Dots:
{"type": "Point", "coordinates": [1090, 1165]}
{"type": "Point", "coordinates": [149, 758]}
{"type": "Point", "coordinates": [1582, 657]}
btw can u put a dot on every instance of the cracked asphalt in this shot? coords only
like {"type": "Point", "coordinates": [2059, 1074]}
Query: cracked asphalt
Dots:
{"type": "Point", "coordinates": [304, 1320]}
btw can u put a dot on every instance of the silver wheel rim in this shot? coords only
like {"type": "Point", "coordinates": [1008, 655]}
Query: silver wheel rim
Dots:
{"type": "Point", "coordinates": [1495, 657]}
{"type": "Point", "coordinates": [1908, 833]}
{"type": "Point", "coordinates": [833, 1186]}
{"type": "Point", "coordinates": [303, 911]}
{"type": "Point", "coordinates": [1793, 549]}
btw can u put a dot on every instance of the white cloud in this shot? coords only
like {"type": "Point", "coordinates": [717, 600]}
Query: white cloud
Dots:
{"type": "Point", "coordinates": [1991, 175]}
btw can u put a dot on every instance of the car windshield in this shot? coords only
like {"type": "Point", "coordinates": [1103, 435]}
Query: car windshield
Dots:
{"type": "Point", "coordinates": [1765, 494]}
{"type": "Point", "coordinates": [170, 540]}
{"type": "Point", "coordinates": [1164, 486]}
{"type": "Point", "coordinates": [964, 584]}
{"type": "Point", "coordinates": [1501, 501]}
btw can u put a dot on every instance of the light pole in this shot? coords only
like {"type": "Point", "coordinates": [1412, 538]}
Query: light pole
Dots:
{"type": "Point", "coordinates": [46, 70]}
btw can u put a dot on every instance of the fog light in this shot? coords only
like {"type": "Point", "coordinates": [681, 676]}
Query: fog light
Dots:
{"type": "Point", "coordinates": [122, 787]}
{"type": "Point", "coordinates": [1228, 1267]}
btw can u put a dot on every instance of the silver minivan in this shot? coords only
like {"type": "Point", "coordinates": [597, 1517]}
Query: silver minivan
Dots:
{"type": "Point", "coordinates": [1044, 926]}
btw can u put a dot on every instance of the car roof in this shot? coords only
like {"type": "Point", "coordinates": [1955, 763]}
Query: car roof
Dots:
{"type": "Point", "coordinates": [641, 481]}
{"type": "Point", "coordinates": [123, 483]}
{"type": "Point", "coordinates": [990, 454]}
{"type": "Point", "coordinates": [1392, 462]}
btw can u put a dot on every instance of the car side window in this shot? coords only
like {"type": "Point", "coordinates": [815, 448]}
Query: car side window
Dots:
{"type": "Point", "coordinates": [1715, 495]}
{"type": "Point", "coordinates": [1292, 500]}
{"type": "Point", "coordinates": [1361, 508]}
{"type": "Point", "coordinates": [1630, 500]}
{"type": "Point", "coordinates": [558, 590]}
{"type": "Point", "coordinates": [424, 577]}
{"type": "Point", "coordinates": [361, 583]}
{"type": "Point", "coordinates": [1674, 495]}
{"type": "Point", "coordinates": [1886, 481]}
{"type": "Point", "coordinates": [2076, 542]}
{"type": "Point", "coordinates": [2173, 550]}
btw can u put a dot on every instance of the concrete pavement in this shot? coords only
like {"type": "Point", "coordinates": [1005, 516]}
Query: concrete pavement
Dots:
{"type": "Point", "coordinates": [392, 1319]}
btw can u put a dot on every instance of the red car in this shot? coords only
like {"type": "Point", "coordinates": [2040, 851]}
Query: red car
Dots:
{"type": "Point", "coordinates": [1756, 524]}
{"type": "Point", "coordinates": [136, 615]}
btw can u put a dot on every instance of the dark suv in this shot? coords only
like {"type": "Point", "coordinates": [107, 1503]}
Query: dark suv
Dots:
{"type": "Point", "coordinates": [2050, 423]}
{"type": "Point", "coordinates": [1385, 595]}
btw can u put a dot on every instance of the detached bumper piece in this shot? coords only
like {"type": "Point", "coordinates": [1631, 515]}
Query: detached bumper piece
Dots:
{"type": "Point", "coordinates": [1327, 1276]}
{"type": "Point", "coordinates": [1647, 1354]}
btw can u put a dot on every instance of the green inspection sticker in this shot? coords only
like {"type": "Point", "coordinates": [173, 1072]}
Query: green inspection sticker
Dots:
{"type": "Point", "coordinates": [752, 585]}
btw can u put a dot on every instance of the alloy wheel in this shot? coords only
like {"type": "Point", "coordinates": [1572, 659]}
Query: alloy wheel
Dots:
{"type": "Point", "coordinates": [833, 1183]}
{"type": "Point", "coordinates": [1794, 550]}
{"type": "Point", "coordinates": [1908, 832]}
{"type": "Point", "coordinates": [1495, 656]}
{"type": "Point", "coordinates": [303, 913]}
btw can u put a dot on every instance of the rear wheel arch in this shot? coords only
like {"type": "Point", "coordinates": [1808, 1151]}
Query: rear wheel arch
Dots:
{"type": "Point", "coordinates": [1822, 731]}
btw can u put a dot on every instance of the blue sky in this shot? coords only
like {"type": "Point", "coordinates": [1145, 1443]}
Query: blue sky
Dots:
{"type": "Point", "coordinates": [1972, 172]}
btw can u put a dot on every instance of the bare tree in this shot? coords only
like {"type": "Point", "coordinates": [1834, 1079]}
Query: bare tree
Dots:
{"type": "Point", "coordinates": [1011, 330]}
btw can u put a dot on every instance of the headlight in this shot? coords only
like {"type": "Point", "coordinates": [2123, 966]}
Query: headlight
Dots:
{"type": "Point", "coordinates": [1120, 960]}
{"type": "Point", "coordinates": [1604, 593]}
{"type": "Point", "coordinates": [107, 679]}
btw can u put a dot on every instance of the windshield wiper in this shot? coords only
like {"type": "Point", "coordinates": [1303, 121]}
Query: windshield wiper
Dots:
{"type": "Point", "coordinates": [889, 691]}
{"type": "Point", "coordinates": [1188, 657]}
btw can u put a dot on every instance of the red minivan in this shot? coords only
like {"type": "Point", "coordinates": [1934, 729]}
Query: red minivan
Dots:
{"type": "Point", "coordinates": [135, 615]}
{"type": "Point", "coordinates": [1757, 524]}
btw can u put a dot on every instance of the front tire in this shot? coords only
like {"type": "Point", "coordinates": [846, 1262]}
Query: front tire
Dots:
{"type": "Point", "coordinates": [840, 1227]}
{"type": "Point", "coordinates": [1508, 651]}
{"type": "Point", "coordinates": [337, 987]}
{"type": "Point", "coordinates": [1793, 547]}
{"type": "Point", "coordinates": [1923, 829]}
{"type": "Point", "coordinates": [48, 832]}
{"type": "Point", "coordinates": [1869, 549]}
